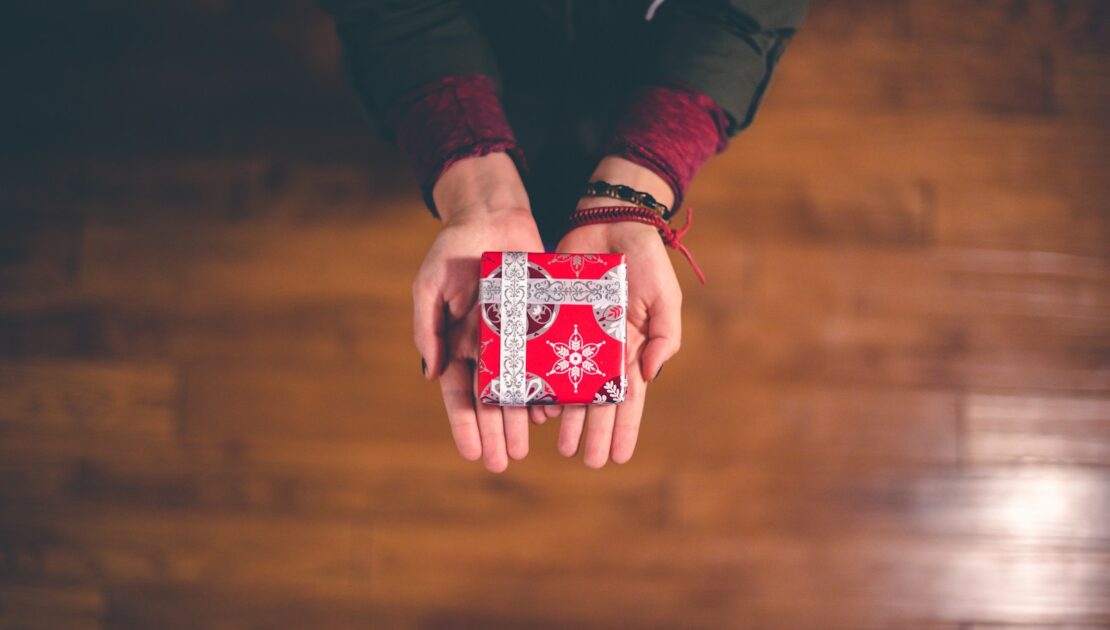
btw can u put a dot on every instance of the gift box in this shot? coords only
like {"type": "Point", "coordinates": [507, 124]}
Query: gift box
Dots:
{"type": "Point", "coordinates": [552, 328]}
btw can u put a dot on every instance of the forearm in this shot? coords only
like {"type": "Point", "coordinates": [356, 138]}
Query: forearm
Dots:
{"type": "Point", "coordinates": [452, 120]}
{"type": "Point", "coordinates": [670, 131]}
{"type": "Point", "coordinates": [426, 75]}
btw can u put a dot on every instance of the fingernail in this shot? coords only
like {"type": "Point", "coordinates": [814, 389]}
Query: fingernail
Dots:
{"type": "Point", "coordinates": [658, 372]}
{"type": "Point", "coordinates": [423, 367]}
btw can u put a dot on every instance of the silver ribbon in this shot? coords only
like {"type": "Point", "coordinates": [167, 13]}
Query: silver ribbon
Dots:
{"type": "Point", "coordinates": [514, 327]}
{"type": "Point", "coordinates": [548, 291]}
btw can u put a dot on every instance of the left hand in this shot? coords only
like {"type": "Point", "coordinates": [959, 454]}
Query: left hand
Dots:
{"type": "Point", "coordinates": [654, 336]}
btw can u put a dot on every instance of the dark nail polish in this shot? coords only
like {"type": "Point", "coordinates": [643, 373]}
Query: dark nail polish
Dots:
{"type": "Point", "coordinates": [423, 367]}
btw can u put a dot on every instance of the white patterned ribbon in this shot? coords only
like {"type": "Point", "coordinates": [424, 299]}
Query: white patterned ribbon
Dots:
{"type": "Point", "coordinates": [547, 291]}
{"type": "Point", "coordinates": [513, 294]}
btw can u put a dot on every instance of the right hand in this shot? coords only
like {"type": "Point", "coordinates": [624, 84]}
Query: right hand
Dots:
{"type": "Point", "coordinates": [484, 207]}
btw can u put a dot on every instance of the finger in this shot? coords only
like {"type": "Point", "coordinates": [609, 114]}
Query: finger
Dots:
{"type": "Point", "coordinates": [626, 429]}
{"type": "Point", "coordinates": [492, 429]}
{"type": "Point", "coordinates": [536, 414]}
{"type": "Point", "coordinates": [570, 431]}
{"type": "Point", "coordinates": [458, 398]}
{"type": "Point", "coordinates": [664, 332]}
{"type": "Point", "coordinates": [428, 325]}
{"type": "Point", "coordinates": [516, 431]}
{"type": "Point", "coordinates": [552, 410]}
{"type": "Point", "coordinates": [599, 435]}
{"type": "Point", "coordinates": [461, 338]}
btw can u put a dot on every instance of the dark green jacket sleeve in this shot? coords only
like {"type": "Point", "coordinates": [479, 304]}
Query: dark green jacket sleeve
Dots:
{"type": "Point", "coordinates": [726, 49]}
{"type": "Point", "coordinates": [390, 46]}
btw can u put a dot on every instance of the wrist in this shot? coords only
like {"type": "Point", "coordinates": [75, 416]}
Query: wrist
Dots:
{"type": "Point", "coordinates": [598, 221]}
{"type": "Point", "coordinates": [621, 235]}
{"type": "Point", "coordinates": [480, 185]}
{"type": "Point", "coordinates": [617, 170]}
{"type": "Point", "coordinates": [481, 213]}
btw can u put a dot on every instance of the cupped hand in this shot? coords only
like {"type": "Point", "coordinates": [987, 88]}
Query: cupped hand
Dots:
{"type": "Point", "coordinates": [654, 335]}
{"type": "Point", "coordinates": [484, 208]}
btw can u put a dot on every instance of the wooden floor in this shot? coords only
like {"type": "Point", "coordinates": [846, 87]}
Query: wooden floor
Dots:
{"type": "Point", "coordinates": [891, 410]}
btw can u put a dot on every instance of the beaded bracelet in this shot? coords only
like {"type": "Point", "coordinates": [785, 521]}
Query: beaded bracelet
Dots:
{"type": "Point", "coordinates": [613, 214]}
{"type": "Point", "coordinates": [628, 194]}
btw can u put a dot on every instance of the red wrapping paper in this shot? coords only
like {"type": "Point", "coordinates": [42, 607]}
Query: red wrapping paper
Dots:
{"type": "Point", "coordinates": [552, 328]}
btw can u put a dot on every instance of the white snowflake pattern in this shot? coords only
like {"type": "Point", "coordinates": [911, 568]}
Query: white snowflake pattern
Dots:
{"type": "Point", "coordinates": [615, 391]}
{"type": "Point", "coordinates": [575, 358]}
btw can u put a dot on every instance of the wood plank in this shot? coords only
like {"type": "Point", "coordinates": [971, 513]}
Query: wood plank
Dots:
{"type": "Point", "coordinates": [369, 481]}
{"type": "Point", "coordinates": [1082, 86]}
{"type": "Point", "coordinates": [366, 402]}
{"type": "Point", "coordinates": [51, 327]}
{"type": "Point", "coordinates": [790, 425]}
{"type": "Point", "coordinates": [89, 399]}
{"type": "Point", "coordinates": [990, 626]}
{"type": "Point", "coordinates": [1072, 25]}
{"type": "Point", "coordinates": [789, 581]}
{"type": "Point", "coordinates": [813, 208]}
{"type": "Point", "coordinates": [34, 606]}
{"type": "Point", "coordinates": [352, 333]}
{"type": "Point", "coordinates": [850, 19]}
{"type": "Point", "coordinates": [898, 74]}
{"type": "Point", "coordinates": [1059, 506]}
{"type": "Point", "coordinates": [39, 251]}
{"type": "Point", "coordinates": [926, 145]}
{"type": "Point", "coordinates": [1053, 218]}
{"type": "Point", "coordinates": [1018, 427]}
{"type": "Point", "coordinates": [950, 211]}
{"type": "Point", "coordinates": [144, 604]}
{"type": "Point", "coordinates": [185, 264]}
{"type": "Point", "coordinates": [124, 190]}
{"type": "Point", "coordinates": [945, 318]}
{"type": "Point", "coordinates": [327, 331]}
{"type": "Point", "coordinates": [325, 558]}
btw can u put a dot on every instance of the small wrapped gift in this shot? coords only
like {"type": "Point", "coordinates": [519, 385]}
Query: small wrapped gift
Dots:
{"type": "Point", "coordinates": [552, 329]}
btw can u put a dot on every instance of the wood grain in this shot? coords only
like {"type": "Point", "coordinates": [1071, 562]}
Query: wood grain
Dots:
{"type": "Point", "coordinates": [891, 409]}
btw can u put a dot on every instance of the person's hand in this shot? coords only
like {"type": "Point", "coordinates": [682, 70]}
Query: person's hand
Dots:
{"type": "Point", "coordinates": [654, 318]}
{"type": "Point", "coordinates": [484, 207]}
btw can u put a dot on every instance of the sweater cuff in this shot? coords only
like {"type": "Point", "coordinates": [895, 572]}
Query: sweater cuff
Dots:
{"type": "Point", "coordinates": [443, 121]}
{"type": "Point", "coordinates": [671, 130]}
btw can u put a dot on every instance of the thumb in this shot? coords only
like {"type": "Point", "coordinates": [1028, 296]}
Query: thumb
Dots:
{"type": "Point", "coordinates": [664, 334]}
{"type": "Point", "coordinates": [462, 332]}
{"type": "Point", "coordinates": [428, 329]}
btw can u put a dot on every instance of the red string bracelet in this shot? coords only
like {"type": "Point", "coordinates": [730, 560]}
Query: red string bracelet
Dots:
{"type": "Point", "coordinates": [613, 214]}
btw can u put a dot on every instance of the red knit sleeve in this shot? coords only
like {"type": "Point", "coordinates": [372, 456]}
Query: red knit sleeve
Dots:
{"type": "Point", "coordinates": [672, 130]}
{"type": "Point", "coordinates": [443, 121]}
